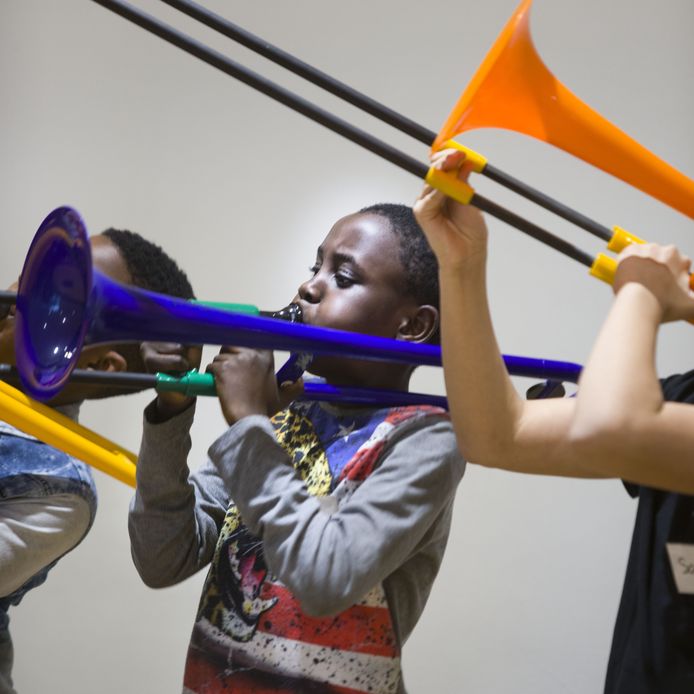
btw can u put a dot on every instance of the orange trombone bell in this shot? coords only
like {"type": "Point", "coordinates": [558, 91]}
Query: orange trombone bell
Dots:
{"type": "Point", "coordinates": [513, 89]}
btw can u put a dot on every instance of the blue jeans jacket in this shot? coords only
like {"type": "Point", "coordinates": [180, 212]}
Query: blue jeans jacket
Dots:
{"type": "Point", "coordinates": [32, 469]}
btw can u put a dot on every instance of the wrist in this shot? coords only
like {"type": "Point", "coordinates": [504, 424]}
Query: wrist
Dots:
{"type": "Point", "coordinates": [470, 269]}
{"type": "Point", "coordinates": [241, 410]}
{"type": "Point", "coordinates": [167, 407]}
{"type": "Point", "coordinates": [641, 300]}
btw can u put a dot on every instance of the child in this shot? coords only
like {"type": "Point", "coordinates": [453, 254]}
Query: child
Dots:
{"type": "Point", "coordinates": [620, 425]}
{"type": "Point", "coordinates": [47, 498]}
{"type": "Point", "coordinates": [325, 525]}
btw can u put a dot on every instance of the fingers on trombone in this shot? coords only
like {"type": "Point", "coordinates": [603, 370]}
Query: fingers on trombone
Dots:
{"type": "Point", "coordinates": [290, 391]}
{"type": "Point", "coordinates": [444, 160]}
{"type": "Point", "coordinates": [668, 255]}
{"type": "Point", "coordinates": [167, 357]}
{"type": "Point", "coordinates": [650, 264]}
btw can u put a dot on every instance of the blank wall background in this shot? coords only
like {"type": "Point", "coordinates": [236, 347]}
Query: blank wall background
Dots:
{"type": "Point", "coordinates": [98, 114]}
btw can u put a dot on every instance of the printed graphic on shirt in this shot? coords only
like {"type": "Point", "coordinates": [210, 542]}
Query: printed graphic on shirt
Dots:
{"type": "Point", "coordinates": [251, 634]}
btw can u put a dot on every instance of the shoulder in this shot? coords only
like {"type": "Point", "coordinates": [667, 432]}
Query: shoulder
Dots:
{"type": "Point", "coordinates": [425, 437]}
{"type": "Point", "coordinates": [428, 420]}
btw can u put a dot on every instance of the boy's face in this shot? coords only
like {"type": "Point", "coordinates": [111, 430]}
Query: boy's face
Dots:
{"type": "Point", "coordinates": [357, 283]}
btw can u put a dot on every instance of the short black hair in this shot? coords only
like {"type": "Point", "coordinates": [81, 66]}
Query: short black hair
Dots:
{"type": "Point", "coordinates": [417, 258]}
{"type": "Point", "coordinates": [149, 266]}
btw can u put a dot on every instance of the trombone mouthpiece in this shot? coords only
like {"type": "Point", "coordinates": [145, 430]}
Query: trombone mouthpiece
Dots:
{"type": "Point", "coordinates": [291, 313]}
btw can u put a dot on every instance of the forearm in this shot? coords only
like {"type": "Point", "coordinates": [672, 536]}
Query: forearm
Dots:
{"type": "Point", "coordinates": [330, 556]}
{"type": "Point", "coordinates": [495, 426]}
{"type": "Point", "coordinates": [620, 401]}
{"type": "Point", "coordinates": [172, 521]}
{"type": "Point", "coordinates": [484, 405]}
{"type": "Point", "coordinates": [619, 382]}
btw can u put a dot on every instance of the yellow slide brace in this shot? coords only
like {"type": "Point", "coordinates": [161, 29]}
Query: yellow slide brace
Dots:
{"type": "Point", "coordinates": [621, 238]}
{"type": "Point", "coordinates": [604, 268]}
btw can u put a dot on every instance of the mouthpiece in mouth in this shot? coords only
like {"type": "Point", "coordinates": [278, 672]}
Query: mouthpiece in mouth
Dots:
{"type": "Point", "coordinates": [291, 313]}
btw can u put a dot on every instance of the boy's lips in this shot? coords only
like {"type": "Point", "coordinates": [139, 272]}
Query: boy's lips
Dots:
{"type": "Point", "coordinates": [305, 312]}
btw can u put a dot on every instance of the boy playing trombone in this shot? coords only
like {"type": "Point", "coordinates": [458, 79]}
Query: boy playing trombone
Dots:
{"type": "Point", "coordinates": [324, 525]}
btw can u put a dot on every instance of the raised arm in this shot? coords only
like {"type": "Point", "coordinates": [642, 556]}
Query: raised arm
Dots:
{"type": "Point", "coordinates": [494, 426]}
{"type": "Point", "coordinates": [331, 555]}
{"type": "Point", "coordinates": [622, 423]}
{"type": "Point", "coordinates": [174, 517]}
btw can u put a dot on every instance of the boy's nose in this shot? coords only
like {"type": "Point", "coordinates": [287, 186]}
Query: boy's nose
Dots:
{"type": "Point", "coordinates": [310, 291]}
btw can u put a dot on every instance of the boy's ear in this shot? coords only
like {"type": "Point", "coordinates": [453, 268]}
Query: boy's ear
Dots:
{"type": "Point", "coordinates": [102, 359]}
{"type": "Point", "coordinates": [420, 325]}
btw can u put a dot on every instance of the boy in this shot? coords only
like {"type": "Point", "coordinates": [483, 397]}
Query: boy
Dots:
{"type": "Point", "coordinates": [47, 498]}
{"type": "Point", "coordinates": [325, 525]}
{"type": "Point", "coordinates": [620, 425]}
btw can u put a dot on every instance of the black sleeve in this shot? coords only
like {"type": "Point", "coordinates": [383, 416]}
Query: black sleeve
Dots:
{"type": "Point", "coordinates": [679, 388]}
{"type": "Point", "coordinates": [676, 388]}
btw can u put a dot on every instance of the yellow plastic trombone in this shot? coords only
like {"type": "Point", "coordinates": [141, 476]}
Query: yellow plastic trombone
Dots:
{"type": "Point", "coordinates": [59, 431]}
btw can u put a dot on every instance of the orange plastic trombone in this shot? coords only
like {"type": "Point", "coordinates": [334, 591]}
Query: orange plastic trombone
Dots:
{"type": "Point", "coordinates": [513, 89]}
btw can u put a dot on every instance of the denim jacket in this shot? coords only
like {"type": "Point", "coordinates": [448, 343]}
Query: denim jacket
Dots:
{"type": "Point", "coordinates": [31, 469]}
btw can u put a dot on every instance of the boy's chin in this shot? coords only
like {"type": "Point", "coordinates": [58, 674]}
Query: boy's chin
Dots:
{"type": "Point", "coordinates": [336, 370]}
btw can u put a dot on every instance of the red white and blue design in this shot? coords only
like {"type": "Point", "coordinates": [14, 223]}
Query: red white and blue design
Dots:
{"type": "Point", "coordinates": [251, 635]}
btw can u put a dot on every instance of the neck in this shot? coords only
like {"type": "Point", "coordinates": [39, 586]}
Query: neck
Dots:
{"type": "Point", "coordinates": [382, 376]}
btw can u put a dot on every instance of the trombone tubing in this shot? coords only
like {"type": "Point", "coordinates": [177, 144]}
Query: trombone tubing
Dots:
{"type": "Point", "coordinates": [375, 397]}
{"type": "Point", "coordinates": [376, 109]}
{"type": "Point", "coordinates": [312, 390]}
{"type": "Point", "coordinates": [329, 120]}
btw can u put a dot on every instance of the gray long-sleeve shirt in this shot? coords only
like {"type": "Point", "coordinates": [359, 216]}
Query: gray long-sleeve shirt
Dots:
{"type": "Point", "coordinates": [392, 529]}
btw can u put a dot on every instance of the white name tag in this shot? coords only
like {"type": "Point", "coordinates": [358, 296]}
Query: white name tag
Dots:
{"type": "Point", "coordinates": [682, 564]}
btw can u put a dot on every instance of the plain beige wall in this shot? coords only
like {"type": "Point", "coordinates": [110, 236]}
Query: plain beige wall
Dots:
{"type": "Point", "coordinates": [100, 115]}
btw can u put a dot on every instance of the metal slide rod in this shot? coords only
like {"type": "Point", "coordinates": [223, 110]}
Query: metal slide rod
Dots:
{"type": "Point", "coordinates": [204, 385]}
{"type": "Point", "coordinates": [327, 119]}
{"type": "Point", "coordinates": [376, 109]}
{"type": "Point", "coordinates": [324, 392]}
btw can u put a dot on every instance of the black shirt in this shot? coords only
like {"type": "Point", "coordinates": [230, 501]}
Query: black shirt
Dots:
{"type": "Point", "coordinates": [653, 642]}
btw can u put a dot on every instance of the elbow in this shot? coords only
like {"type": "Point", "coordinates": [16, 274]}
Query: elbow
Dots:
{"type": "Point", "coordinates": [595, 437]}
{"type": "Point", "coordinates": [330, 587]}
{"type": "Point", "coordinates": [318, 600]}
{"type": "Point", "coordinates": [151, 576]}
{"type": "Point", "coordinates": [317, 606]}
{"type": "Point", "coordinates": [319, 603]}
{"type": "Point", "coordinates": [491, 451]}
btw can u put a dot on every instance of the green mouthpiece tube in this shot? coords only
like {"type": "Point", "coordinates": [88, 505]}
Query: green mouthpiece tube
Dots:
{"type": "Point", "coordinates": [193, 383]}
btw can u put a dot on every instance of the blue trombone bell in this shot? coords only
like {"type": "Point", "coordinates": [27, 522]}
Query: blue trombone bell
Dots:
{"type": "Point", "coordinates": [52, 302]}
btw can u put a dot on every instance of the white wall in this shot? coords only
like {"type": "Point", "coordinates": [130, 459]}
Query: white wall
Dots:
{"type": "Point", "coordinates": [100, 115]}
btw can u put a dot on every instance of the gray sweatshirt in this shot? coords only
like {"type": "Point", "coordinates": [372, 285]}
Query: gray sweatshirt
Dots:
{"type": "Point", "coordinates": [329, 553]}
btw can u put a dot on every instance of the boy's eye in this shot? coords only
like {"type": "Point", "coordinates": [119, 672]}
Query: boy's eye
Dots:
{"type": "Point", "coordinates": [314, 269]}
{"type": "Point", "coordinates": [343, 281]}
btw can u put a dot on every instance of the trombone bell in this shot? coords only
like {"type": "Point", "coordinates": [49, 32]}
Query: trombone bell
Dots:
{"type": "Point", "coordinates": [514, 90]}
